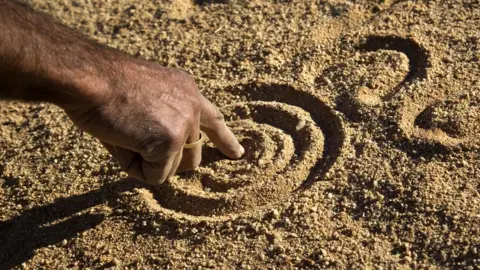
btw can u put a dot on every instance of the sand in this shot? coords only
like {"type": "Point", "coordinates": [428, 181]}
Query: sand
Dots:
{"type": "Point", "coordinates": [360, 120]}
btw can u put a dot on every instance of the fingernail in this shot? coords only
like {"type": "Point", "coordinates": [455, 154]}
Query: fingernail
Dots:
{"type": "Point", "coordinates": [241, 151]}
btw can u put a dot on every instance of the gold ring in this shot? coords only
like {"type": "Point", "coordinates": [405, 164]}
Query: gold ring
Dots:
{"type": "Point", "coordinates": [195, 144]}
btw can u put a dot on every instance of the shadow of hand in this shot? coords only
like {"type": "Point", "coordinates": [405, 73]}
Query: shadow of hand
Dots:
{"type": "Point", "coordinates": [22, 235]}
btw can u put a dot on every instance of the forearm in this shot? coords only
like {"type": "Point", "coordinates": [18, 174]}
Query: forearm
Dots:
{"type": "Point", "coordinates": [41, 60]}
{"type": "Point", "coordinates": [142, 112]}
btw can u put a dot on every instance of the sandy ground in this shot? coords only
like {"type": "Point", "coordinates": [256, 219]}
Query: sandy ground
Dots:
{"type": "Point", "coordinates": [360, 119]}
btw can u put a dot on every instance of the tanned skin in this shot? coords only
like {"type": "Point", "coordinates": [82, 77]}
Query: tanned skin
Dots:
{"type": "Point", "coordinates": [142, 113]}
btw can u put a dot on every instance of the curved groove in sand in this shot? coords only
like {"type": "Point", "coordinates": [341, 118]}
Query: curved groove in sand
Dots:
{"type": "Point", "coordinates": [412, 118]}
{"type": "Point", "coordinates": [292, 139]}
{"type": "Point", "coordinates": [416, 120]}
{"type": "Point", "coordinates": [418, 56]}
{"type": "Point", "coordinates": [364, 81]}
{"type": "Point", "coordinates": [419, 118]}
{"type": "Point", "coordinates": [451, 122]}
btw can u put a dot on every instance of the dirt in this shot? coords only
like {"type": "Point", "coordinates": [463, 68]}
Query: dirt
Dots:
{"type": "Point", "coordinates": [360, 120]}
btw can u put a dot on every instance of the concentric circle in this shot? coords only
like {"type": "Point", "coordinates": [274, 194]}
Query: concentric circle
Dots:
{"type": "Point", "coordinates": [286, 149]}
{"type": "Point", "coordinates": [278, 160]}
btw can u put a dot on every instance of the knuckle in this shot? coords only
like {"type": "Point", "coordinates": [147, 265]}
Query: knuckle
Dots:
{"type": "Point", "coordinates": [186, 79]}
{"type": "Point", "coordinates": [175, 137]}
{"type": "Point", "coordinates": [213, 118]}
{"type": "Point", "coordinates": [189, 117]}
{"type": "Point", "coordinates": [218, 116]}
{"type": "Point", "coordinates": [149, 145]}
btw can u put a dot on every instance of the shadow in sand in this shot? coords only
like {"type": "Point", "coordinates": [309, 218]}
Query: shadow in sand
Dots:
{"type": "Point", "coordinates": [33, 229]}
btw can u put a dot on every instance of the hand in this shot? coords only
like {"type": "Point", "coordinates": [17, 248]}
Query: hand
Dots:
{"type": "Point", "coordinates": [146, 114]}
{"type": "Point", "coordinates": [143, 113]}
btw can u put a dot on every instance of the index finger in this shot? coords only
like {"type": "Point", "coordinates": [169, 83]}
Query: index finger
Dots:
{"type": "Point", "coordinates": [213, 124]}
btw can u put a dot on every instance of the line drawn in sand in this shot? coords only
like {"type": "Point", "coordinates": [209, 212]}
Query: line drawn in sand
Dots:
{"type": "Point", "coordinates": [292, 139]}
{"type": "Point", "coordinates": [423, 118]}
{"type": "Point", "coordinates": [451, 122]}
{"type": "Point", "coordinates": [364, 82]}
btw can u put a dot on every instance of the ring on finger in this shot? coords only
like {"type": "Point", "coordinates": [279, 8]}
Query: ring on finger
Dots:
{"type": "Point", "coordinates": [197, 143]}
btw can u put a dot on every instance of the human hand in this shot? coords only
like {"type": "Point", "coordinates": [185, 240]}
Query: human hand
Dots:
{"type": "Point", "coordinates": [143, 113]}
{"type": "Point", "coordinates": [146, 114]}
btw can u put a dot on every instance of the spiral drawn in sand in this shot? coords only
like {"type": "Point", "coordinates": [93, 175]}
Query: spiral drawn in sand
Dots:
{"type": "Point", "coordinates": [289, 142]}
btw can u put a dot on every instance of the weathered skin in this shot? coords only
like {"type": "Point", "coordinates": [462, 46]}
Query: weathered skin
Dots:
{"type": "Point", "coordinates": [142, 112]}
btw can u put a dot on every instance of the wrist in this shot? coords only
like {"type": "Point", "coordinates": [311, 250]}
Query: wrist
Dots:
{"type": "Point", "coordinates": [85, 85]}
